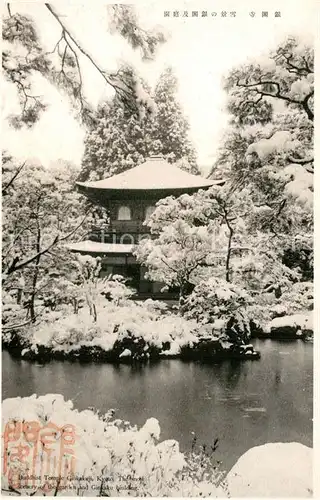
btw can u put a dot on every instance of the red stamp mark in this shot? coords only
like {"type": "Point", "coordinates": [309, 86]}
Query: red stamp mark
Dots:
{"type": "Point", "coordinates": [37, 455]}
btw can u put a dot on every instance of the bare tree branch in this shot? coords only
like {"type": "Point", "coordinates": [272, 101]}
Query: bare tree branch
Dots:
{"type": "Point", "coordinates": [4, 189]}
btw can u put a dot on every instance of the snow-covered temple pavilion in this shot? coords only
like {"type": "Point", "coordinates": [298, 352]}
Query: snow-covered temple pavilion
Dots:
{"type": "Point", "coordinates": [129, 199]}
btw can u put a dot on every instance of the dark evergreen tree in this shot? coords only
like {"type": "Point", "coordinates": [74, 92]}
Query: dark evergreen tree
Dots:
{"type": "Point", "coordinates": [120, 140]}
{"type": "Point", "coordinates": [171, 125]}
{"type": "Point", "coordinates": [117, 141]}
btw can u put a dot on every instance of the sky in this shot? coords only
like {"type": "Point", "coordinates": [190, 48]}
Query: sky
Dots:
{"type": "Point", "coordinates": [201, 51]}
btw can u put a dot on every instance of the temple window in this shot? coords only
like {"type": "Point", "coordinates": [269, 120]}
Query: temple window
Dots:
{"type": "Point", "coordinates": [124, 213]}
{"type": "Point", "coordinates": [149, 211]}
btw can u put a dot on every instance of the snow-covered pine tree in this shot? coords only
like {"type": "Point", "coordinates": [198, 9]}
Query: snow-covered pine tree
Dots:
{"type": "Point", "coordinates": [268, 148]}
{"type": "Point", "coordinates": [120, 140]}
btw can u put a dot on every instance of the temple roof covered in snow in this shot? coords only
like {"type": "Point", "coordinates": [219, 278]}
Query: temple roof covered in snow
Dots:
{"type": "Point", "coordinates": [154, 175]}
{"type": "Point", "coordinates": [88, 246]}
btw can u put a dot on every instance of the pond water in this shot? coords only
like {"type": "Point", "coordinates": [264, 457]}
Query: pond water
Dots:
{"type": "Point", "coordinates": [243, 404]}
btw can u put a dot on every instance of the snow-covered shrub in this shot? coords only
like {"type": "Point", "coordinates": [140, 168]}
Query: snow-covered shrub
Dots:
{"type": "Point", "coordinates": [12, 312]}
{"type": "Point", "coordinates": [298, 298]}
{"type": "Point", "coordinates": [116, 324]}
{"type": "Point", "coordinates": [93, 289]}
{"type": "Point", "coordinates": [112, 458]}
{"type": "Point", "coordinates": [215, 299]}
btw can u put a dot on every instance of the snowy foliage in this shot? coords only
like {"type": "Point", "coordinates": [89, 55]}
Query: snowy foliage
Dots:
{"type": "Point", "coordinates": [93, 289]}
{"type": "Point", "coordinates": [193, 232]}
{"type": "Point", "coordinates": [215, 299]}
{"type": "Point", "coordinates": [216, 241]}
{"type": "Point", "coordinates": [26, 60]}
{"type": "Point", "coordinates": [22, 57]}
{"type": "Point", "coordinates": [171, 128]}
{"type": "Point", "coordinates": [41, 210]}
{"type": "Point", "coordinates": [117, 142]}
{"type": "Point", "coordinates": [120, 140]}
{"type": "Point", "coordinates": [113, 323]}
{"type": "Point", "coordinates": [299, 297]}
{"type": "Point", "coordinates": [224, 306]}
{"type": "Point", "coordinates": [178, 251]}
{"type": "Point", "coordinates": [268, 150]}
{"type": "Point", "coordinates": [123, 19]}
{"type": "Point", "coordinates": [13, 313]}
{"type": "Point", "coordinates": [285, 75]}
{"type": "Point", "coordinates": [119, 458]}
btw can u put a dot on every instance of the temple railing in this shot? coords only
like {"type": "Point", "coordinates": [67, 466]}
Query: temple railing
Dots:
{"type": "Point", "coordinates": [107, 236]}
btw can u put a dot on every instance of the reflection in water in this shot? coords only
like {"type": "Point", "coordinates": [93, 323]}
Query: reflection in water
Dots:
{"type": "Point", "coordinates": [277, 379]}
{"type": "Point", "coordinates": [242, 404]}
{"type": "Point", "coordinates": [235, 372]}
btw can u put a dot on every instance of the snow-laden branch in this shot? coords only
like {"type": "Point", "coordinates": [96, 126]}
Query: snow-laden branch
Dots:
{"type": "Point", "coordinates": [69, 38]}
{"type": "Point", "coordinates": [16, 265]}
{"type": "Point", "coordinates": [277, 94]}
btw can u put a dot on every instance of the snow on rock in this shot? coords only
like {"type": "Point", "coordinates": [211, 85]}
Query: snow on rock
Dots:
{"type": "Point", "coordinates": [126, 354]}
{"type": "Point", "coordinates": [295, 325]}
{"type": "Point", "coordinates": [174, 349]}
{"type": "Point", "coordinates": [273, 470]}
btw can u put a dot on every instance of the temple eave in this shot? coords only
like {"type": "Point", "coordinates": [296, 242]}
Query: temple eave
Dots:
{"type": "Point", "coordinates": [97, 194]}
{"type": "Point", "coordinates": [94, 247]}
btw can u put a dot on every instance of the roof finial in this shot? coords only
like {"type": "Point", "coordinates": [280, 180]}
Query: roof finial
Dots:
{"type": "Point", "coordinates": [155, 149]}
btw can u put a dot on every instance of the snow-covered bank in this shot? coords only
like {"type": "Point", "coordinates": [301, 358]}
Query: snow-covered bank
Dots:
{"type": "Point", "coordinates": [113, 458]}
{"type": "Point", "coordinates": [131, 331]}
{"type": "Point", "coordinates": [127, 333]}
{"type": "Point", "coordinates": [296, 325]}
{"type": "Point", "coordinates": [292, 326]}
{"type": "Point", "coordinates": [274, 470]}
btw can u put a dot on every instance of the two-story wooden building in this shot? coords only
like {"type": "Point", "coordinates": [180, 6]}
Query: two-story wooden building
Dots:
{"type": "Point", "coordinates": [129, 199]}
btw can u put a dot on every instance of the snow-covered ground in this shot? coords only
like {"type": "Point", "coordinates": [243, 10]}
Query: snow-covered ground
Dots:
{"type": "Point", "coordinates": [145, 321]}
{"type": "Point", "coordinates": [132, 330]}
